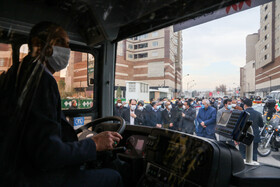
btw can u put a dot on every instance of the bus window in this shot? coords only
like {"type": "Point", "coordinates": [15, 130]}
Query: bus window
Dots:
{"type": "Point", "coordinates": [73, 82]}
{"type": "Point", "coordinates": [5, 57]}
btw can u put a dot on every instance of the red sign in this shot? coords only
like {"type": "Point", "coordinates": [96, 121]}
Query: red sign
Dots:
{"type": "Point", "coordinates": [210, 94]}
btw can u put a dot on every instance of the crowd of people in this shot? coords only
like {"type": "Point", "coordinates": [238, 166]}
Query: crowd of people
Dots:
{"type": "Point", "coordinates": [190, 115]}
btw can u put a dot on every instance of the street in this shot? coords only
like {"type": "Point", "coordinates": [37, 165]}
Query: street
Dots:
{"type": "Point", "coordinates": [272, 159]}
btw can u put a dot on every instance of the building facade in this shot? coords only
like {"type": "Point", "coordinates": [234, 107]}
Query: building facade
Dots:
{"type": "Point", "coordinates": [247, 72]}
{"type": "Point", "coordinates": [268, 49]}
{"type": "Point", "coordinates": [154, 58]}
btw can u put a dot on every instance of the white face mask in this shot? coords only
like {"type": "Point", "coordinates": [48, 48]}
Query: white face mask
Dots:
{"type": "Point", "coordinates": [140, 108]}
{"type": "Point", "coordinates": [59, 59]}
{"type": "Point", "coordinates": [169, 106]}
{"type": "Point", "coordinates": [133, 107]}
{"type": "Point", "coordinates": [184, 107]}
{"type": "Point", "coordinates": [119, 104]}
{"type": "Point", "coordinates": [233, 105]}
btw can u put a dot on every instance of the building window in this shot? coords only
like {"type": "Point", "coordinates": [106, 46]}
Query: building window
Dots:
{"type": "Point", "coordinates": [141, 55]}
{"type": "Point", "coordinates": [265, 57]}
{"type": "Point", "coordinates": [265, 47]}
{"type": "Point", "coordinates": [130, 56]}
{"type": "Point", "coordinates": [265, 8]}
{"type": "Point", "coordinates": [265, 37]}
{"type": "Point", "coordinates": [265, 18]}
{"type": "Point", "coordinates": [265, 27]}
{"type": "Point", "coordinates": [139, 46]}
{"type": "Point", "coordinates": [155, 34]}
{"type": "Point", "coordinates": [130, 46]}
{"type": "Point", "coordinates": [254, 65]}
{"type": "Point", "coordinates": [2, 62]}
{"type": "Point", "coordinates": [143, 36]}
{"type": "Point", "coordinates": [154, 53]}
{"type": "Point", "coordinates": [155, 43]}
{"type": "Point", "coordinates": [132, 86]}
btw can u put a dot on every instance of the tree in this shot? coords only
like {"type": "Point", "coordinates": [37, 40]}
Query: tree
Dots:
{"type": "Point", "coordinates": [119, 92]}
{"type": "Point", "coordinates": [221, 88]}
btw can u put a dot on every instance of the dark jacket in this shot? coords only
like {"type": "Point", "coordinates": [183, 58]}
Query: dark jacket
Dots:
{"type": "Point", "coordinates": [208, 117]}
{"type": "Point", "coordinates": [256, 117]}
{"type": "Point", "coordinates": [187, 122]}
{"type": "Point", "coordinates": [169, 117]}
{"type": "Point", "coordinates": [153, 117]}
{"type": "Point", "coordinates": [45, 143]}
{"type": "Point", "coordinates": [137, 121]}
{"type": "Point", "coordinates": [118, 110]}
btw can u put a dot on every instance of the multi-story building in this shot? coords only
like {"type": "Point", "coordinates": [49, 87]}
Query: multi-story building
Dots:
{"type": "Point", "coordinates": [247, 72]}
{"type": "Point", "coordinates": [154, 58]}
{"type": "Point", "coordinates": [268, 49]}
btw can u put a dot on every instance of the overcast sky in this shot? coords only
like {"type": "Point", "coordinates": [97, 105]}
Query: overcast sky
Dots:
{"type": "Point", "coordinates": [214, 52]}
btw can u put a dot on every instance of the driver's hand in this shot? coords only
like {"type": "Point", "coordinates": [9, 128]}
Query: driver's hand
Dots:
{"type": "Point", "coordinates": [106, 140]}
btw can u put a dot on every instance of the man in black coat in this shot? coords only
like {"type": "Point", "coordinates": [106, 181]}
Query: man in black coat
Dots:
{"type": "Point", "coordinates": [39, 147]}
{"type": "Point", "coordinates": [188, 117]}
{"type": "Point", "coordinates": [131, 115]}
{"type": "Point", "coordinates": [170, 117]}
{"type": "Point", "coordinates": [118, 109]}
{"type": "Point", "coordinates": [154, 115]}
{"type": "Point", "coordinates": [257, 120]}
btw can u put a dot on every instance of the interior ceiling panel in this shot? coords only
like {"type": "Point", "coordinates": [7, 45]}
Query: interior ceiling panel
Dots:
{"type": "Point", "coordinates": [92, 21]}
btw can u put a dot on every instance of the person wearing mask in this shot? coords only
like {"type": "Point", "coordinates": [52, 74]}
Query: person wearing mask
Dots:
{"type": "Point", "coordinates": [257, 120]}
{"type": "Point", "coordinates": [206, 119]}
{"type": "Point", "coordinates": [47, 149]}
{"type": "Point", "coordinates": [235, 105]}
{"type": "Point", "coordinates": [227, 107]}
{"type": "Point", "coordinates": [218, 104]}
{"type": "Point", "coordinates": [141, 112]}
{"type": "Point", "coordinates": [169, 117]}
{"type": "Point", "coordinates": [212, 102]}
{"type": "Point", "coordinates": [154, 117]}
{"type": "Point", "coordinates": [188, 117]}
{"type": "Point", "coordinates": [118, 109]}
{"type": "Point", "coordinates": [131, 115]}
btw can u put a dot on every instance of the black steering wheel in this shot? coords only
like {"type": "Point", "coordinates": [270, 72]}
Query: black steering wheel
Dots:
{"type": "Point", "coordinates": [85, 132]}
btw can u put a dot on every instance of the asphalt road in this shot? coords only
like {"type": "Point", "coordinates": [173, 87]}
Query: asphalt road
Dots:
{"type": "Point", "coordinates": [272, 159]}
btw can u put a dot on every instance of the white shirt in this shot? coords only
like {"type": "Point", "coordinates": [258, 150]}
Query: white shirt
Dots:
{"type": "Point", "coordinates": [132, 118]}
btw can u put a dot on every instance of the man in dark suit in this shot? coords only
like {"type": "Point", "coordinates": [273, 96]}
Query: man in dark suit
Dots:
{"type": "Point", "coordinates": [188, 117]}
{"type": "Point", "coordinates": [154, 115]}
{"type": "Point", "coordinates": [39, 146]}
{"type": "Point", "coordinates": [118, 108]}
{"type": "Point", "coordinates": [170, 117]}
{"type": "Point", "coordinates": [131, 115]}
{"type": "Point", "coordinates": [257, 120]}
{"type": "Point", "coordinates": [207, 120]}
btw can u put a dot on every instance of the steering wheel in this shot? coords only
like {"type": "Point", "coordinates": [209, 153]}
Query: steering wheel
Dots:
{"type": "Point", "coordinates": [85, 132]}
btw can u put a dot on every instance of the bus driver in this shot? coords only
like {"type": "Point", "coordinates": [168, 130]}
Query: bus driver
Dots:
{"type": "Point", "coordinates": [48, 152]}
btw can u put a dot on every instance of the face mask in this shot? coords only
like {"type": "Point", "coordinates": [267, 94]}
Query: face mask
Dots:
{"type": "Point", "coordinates": [133, 107]}
{"type": "Point", "coordinates": [233, 105]}
{"type": "Point", "coordinates": [229, 107]}
{"type": "Point", "coordinates": [202, 106]}
{"type": "Point", "coordinates": [184, 107]}
{"type": "Point", "coordinates": [158, 107]}
{"type": "Point", "coordinates": [59, 59]}
{"type": "Point", "coordinates": [119, 104]}
{"type": "Point", "coordinates": [126, 105]}
{"type": "Point", "coordinates": [169, 106]}
{"type": "Point", "coordinates": [140, 108]}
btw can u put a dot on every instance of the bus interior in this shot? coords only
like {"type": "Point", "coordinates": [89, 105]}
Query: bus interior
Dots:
{"type": "Point", "coordinates": [156, 157]}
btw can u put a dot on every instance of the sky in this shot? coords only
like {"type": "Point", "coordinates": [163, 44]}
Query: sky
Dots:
{"type": "Point", "coordinates": [213, 52]}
